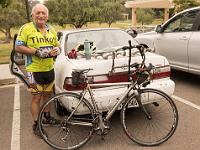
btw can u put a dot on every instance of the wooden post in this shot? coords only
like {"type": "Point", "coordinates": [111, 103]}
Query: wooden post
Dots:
{"type": "Point", "coordinates": [166, 14]}
{"type": "Point", "coordinates": [133, 17]}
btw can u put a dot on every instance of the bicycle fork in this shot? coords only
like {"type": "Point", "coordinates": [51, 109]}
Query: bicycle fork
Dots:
{"type": "Point", "coordinates": [138, 99]}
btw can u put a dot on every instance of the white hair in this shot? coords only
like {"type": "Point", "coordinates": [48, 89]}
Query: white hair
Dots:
{"type": "Point", "coordinates": [39, 5]}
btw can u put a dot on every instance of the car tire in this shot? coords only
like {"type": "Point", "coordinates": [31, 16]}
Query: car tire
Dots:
{"type": "Point", "coordinates": [60, 110]}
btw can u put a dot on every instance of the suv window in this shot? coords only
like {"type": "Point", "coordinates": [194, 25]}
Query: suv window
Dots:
{"type": "Point", "coordinates": [183, 22]}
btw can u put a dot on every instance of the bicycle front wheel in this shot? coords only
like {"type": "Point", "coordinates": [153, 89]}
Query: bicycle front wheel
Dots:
{"type": "Point", "coordinates": [155, 126]}
{"type": "Point", "coordinates": [73, 128]}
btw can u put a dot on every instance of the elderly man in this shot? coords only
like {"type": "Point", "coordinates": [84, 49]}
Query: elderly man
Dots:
{"type": "Point", "coordinates": [38, 41]}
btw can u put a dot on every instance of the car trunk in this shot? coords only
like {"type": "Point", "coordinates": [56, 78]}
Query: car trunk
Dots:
{"type": "Point", "coordinates": [112, 71]}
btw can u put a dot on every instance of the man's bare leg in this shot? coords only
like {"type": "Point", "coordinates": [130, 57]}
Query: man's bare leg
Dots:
{"type": "Point", "coordinates": [35, 106]}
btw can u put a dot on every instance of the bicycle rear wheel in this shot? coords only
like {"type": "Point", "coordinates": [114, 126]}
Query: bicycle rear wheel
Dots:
{"type": "Point", "coordinates": [150, 131]}
{"type": "Point", "coordinates": [73, 129]}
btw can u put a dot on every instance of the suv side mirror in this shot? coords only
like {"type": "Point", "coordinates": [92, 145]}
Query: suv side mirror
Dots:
{"type": "Point", "coordinates": [132, 32]}
{"type": "Point", "coordinates": [159, 29]}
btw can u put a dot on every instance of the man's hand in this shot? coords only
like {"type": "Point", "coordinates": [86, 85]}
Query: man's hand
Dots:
{"type": "Point", "coordinates": [54, 52]}
{"type": "Point", "coordinates": [41, 54]}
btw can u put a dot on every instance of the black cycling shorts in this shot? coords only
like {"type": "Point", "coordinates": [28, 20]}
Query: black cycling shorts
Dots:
{"type": "Point", "coordinates": [44, 77]}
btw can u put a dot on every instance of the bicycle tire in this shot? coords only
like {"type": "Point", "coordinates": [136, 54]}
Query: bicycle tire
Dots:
{"type": "Point", "coordinates": [154, 131]}
{"type": "Point", "coordinates": [70, 133]}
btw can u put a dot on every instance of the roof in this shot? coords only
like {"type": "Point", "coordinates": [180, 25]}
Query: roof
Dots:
{"type": "Point", "coordinates": [149, 4]}
{"type": "Point", "coordinates": [189, 9]}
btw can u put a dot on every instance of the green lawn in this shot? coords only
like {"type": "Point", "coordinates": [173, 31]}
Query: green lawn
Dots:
{"type": "Point", "coordinates": [5, 50]}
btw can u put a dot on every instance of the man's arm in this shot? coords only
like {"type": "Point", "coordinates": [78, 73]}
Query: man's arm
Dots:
{"type": "Point", "coordinates": [25, 50]}
{"type": "Point", "coordinates": [31, 51]}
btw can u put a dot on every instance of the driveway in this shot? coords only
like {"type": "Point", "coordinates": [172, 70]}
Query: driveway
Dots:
{"type": "Point", "coordinates": [16, 121]}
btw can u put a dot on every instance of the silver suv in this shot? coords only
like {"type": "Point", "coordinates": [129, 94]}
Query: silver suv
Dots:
{"type": "Point", "coordinates": [177, 39]}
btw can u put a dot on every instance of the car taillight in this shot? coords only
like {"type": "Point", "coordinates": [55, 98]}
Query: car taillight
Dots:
{"type": "Point", "coordinates": [161, 72]}
{"type": "Point", "coordinates": [69, 86]}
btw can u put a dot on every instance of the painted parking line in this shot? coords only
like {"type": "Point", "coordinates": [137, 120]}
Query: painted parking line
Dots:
{"type": "Point", "coordinates": [15, 138]}
{"type": "Point", "coordinates": [11, 85]}
{"type": "Point", "coordinates": [7, 86]}
{"type": "Point", "coordinates": [186, 102]}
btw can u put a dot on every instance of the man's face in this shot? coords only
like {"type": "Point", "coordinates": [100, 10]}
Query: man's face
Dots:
{"type": "Point", "coordinates": [40, 16]}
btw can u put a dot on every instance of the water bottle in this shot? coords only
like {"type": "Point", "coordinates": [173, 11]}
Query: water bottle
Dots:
{"type": "Point", "coordinates": [87, 49]}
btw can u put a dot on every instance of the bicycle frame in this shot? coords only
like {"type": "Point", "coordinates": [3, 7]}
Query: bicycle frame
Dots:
{"type": "Point", "coordinates": [117, 104]}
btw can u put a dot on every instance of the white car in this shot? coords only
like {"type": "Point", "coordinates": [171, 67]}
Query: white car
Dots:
{"type": "Point", "coordinates": [178, 40]}
{"type": "Point", "coordinates": [108, 61]}
{"type": "Point", "coordinates": [106, 67]}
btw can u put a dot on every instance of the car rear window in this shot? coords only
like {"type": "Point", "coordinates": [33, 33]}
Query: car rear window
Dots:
{"type": "Point", "coordinates": [101, 39]}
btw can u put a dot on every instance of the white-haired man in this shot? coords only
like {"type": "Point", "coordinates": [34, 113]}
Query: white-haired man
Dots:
{"type": "Point", "coordinates": [38, 41]}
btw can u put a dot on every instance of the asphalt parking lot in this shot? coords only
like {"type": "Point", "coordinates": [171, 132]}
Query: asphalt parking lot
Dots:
{"type": "Point", "coordinates": [16, 122]}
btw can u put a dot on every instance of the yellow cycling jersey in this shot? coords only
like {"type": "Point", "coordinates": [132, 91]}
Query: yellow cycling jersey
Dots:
{"type": "Point", "coordinates": [30, 36]}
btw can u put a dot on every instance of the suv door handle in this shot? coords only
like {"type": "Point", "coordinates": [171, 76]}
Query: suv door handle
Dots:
{"type": "Point", "coordinates": [183, 38]}
{"type": "Point", "coordinates": [159, 39]}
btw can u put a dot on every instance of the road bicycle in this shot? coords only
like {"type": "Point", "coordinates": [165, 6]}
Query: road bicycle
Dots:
{"type": "Point", "coordinates": [149, 116]}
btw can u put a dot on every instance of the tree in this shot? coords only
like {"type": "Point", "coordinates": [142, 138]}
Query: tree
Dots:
{"type": "Point", "coordinates": [184, 4]}
{"type": "Point", "coordinates": [11, 16]}
{"type": "Point", "coordinates": [5, 3]}
{"type": "Point", "coordinates": [74, 12]}
{"type": "Point", "coordinates": [145, 16]}
{"type": "Point", "coordinates": [80, 12]}
{"type": "Point", "coordinates": [57, 11]}
{"type": "Point", "coordinates": [110, 12]}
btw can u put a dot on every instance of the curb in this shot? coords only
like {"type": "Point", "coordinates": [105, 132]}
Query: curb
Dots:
{"type": "Point", "coordinates": [6, 77]}
{"type": "Point", "coordinates": [7, 81]}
